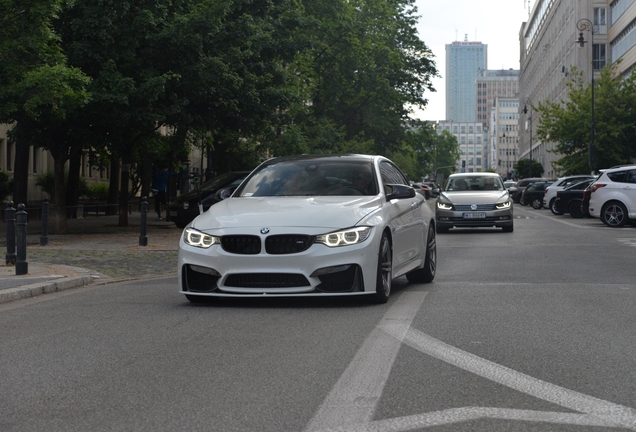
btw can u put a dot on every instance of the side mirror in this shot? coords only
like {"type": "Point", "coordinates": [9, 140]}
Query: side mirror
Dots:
{"type": "Point", "coordinates": [225, 193]}
{"type": "Point", "coordinates": [399, 191]}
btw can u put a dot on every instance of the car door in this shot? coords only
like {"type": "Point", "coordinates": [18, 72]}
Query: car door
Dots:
{"type": "Point", "coordinates": [629, 190]}
{"type": "Point", "coordinates": [405, 219]}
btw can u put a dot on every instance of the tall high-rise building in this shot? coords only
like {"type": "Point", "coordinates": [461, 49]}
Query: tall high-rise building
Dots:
{"type": "Point", "coordinates": [464, 62]}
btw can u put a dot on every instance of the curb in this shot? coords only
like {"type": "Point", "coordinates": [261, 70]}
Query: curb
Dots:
{"type": "Point", "coordinates": [47, 287]}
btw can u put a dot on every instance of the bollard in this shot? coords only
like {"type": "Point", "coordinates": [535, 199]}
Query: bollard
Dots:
{"type": "Point", "coordinates": [10, 218]}
{"type": "Point", "coordinates": [143, 210]}
{"type": "Point", "coordinates": [21, 264]}
{"type": "Point", "coordinates": [44, 237]}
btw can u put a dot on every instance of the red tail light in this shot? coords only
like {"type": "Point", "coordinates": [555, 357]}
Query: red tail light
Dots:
{"type": "Point", "coordinates": [596, 186]}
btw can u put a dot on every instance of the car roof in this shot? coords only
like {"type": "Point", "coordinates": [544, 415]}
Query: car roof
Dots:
{"type": "Point", "coordinates": [344, 157]}
{"type": "Point", "coordinates": [617, 168]}
{"type": "Point", "coordinates": [475, 174]}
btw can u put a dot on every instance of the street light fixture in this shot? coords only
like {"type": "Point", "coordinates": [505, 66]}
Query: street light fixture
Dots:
{"type": "Point", "coordinates": [582, 25]}
{"type": "Point", "coordinates": [527, 101]}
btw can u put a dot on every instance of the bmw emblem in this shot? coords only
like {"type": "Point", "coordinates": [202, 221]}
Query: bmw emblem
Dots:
{"type": "Point", "coordinates": [264, 230]}
{"type": "Point", "coordinates": [473, 206]}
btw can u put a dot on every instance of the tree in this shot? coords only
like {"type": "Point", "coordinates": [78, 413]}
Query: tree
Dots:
{"type": "Point", "coordinates": [522, 168]}
{"type": "Point", "coordinates": [363, 66]}
{"type": "Point", "coordinates": [568, 123]}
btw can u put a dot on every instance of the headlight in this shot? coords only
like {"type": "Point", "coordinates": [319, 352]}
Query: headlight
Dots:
{"type": "Point", "coordinates": [198, 239]}
{"type": "Point", "coordinates": [345, 237]}
{"type": "Point", "coordinates": [444, 205]}
{"type": "Point", "coordinates": [503, 206]}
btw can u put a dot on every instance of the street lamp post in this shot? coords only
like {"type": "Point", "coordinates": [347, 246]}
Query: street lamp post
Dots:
{"type": "Point", "coordinates": [582, 25]}
{"type": "Point", "coordinates": [527, 101]}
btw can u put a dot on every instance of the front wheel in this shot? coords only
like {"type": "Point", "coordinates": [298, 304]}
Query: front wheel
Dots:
{"type": "Point", "coordinates": [509, 228]}
{"type": "Point", "coordinates": [426, 274]}
{"type": "Point", "coordinates": [384, 276]}
{"type": "Point", "coordinates": [614, 215]}
{"type": "Point", "coordinates": [537, 203]}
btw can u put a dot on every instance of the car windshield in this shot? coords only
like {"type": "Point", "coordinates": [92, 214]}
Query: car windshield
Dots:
{"type": "Point", "coordinates": [474, 183]}
{"type": "Point", "coordinates": [311, 178]}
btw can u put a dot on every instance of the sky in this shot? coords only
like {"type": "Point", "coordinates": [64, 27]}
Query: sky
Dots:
{"type": "Point", "coordinates": [495, 23]}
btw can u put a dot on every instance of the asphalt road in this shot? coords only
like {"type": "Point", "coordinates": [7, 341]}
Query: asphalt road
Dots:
{"type": "Point", "coordinates": [526, 331]}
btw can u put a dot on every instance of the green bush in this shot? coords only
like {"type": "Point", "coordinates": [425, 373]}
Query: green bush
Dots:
{"type": "Point", "coordinates": [6, 186]}
{"type": "Point", "coordinates": [46, 182]}
{"type": "Point", "coordinates": [99, 191]}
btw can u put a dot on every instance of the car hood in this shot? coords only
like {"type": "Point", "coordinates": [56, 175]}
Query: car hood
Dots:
{"type": "Point", "coordinates": [326, 212]}
{"type": "Point", "coordinates": [475, 197]}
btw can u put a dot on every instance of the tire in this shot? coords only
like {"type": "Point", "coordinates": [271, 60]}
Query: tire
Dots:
{"type": "Point", "coordinates": [575, 210]}
{"type": "Point", "coordinates": [426, 274]}
{"type": "Point", "coordinates": [384, 277]}
{"type": "Point", "coordinates": [510, 228]}
{"type": "Point", "coordinates": [554, 206]}
{"type": "Point", "coordinates": [537, 203]}
{"type": "Point", "coordinates": [441, 230]}
{"type": "Point", "coordinates": [614, 214]}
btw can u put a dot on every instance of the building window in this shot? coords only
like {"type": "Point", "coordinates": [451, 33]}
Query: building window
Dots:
{"type": "Point", "coordinates": [599, 56]}
{"type": "Point", "coordinates": [9, 156]}
{"type": "Point", "coordinates": [600, 24]}
{"type": "Point", "coordinates": [36, 152]}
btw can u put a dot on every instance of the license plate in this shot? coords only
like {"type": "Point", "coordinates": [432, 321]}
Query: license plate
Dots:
{"type": "Point", "coordinates": [480, 215]}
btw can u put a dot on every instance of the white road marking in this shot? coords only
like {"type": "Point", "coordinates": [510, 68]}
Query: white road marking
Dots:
{"type": "Point", "coordinates": [539, 215]}
{"type": "Point", "coordinates": [350, 405]}
{"type": "Point", "coordinates": [354, 397]}
{"type": "Point", "coordinates": [628, 241]}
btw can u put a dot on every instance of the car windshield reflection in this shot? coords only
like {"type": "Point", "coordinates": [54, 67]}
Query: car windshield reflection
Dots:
{"type": "Point", "coordinates": [477, 183]}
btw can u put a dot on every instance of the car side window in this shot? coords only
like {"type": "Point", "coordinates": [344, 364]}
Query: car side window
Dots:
{"type": "Point", "coordinates": [619, 176]}
{"type": "Point", "coordinates": [391, 175]}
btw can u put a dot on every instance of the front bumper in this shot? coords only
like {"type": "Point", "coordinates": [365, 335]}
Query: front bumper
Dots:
{"type": "Point", "coordinates": [316, 271]}
{"type": "Point", "coordinates": [467, 219]}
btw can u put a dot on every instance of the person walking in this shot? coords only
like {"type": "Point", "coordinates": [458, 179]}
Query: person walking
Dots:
{"type": "Point", "coordinates": [159, 185]}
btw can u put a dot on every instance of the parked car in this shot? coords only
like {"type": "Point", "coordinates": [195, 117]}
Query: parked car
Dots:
{"type": "Point", "coordinates": [474, 200]}
{"type": "Point", "coordinates": [560, 184]}
{"type": "Point", "coordinates": [570, 199]}
{"type": "Point", "coordinates": [311, 226]}
{"type": "Point", "coordinates": [426, 190]}
{"type": "Point", "coordinates": [533, 194]}
{"type": "Point", "coordinates": [186, 207]}
{"type": "Point", "coordinates": [517, 190]}
{"type": "Point", "coordinates": [613, 196]}
{"type": "Point", "coordinates": [435, 189]}
{"type": "Point", "coordinates": [509, 183]}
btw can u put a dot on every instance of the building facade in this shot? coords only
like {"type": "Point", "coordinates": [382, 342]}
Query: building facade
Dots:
{"type": "Point", "coordinates": [464, 62]}
{"type": "Point", "coordinates": [473, 144]}
{"type": "Point", "coordinates": [549, 49]}
{"type": "Point", "coordinates": [504, 136]}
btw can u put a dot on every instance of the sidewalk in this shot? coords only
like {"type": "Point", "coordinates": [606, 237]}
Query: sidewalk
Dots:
{"type": "Point", "coordinates": [96, 250]}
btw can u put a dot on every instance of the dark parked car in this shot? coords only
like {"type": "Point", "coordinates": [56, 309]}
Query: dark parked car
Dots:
{"type": "Point", "coordinates": [533, 194]}
{"type": "Point", "coordinates": [517, 190]}
{"type": "Point", "coordinates": [570, 199]}
{"type": "Point", "coordinates": [186, 207]}
{"type": "Point", "coordinates": [435, 188]}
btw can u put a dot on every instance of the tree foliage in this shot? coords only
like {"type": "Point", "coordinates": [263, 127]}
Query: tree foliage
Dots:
{"type": "Point", "coordinates": [526, 168]}
{"type": "Point", "coordinates": [241, 79]}
{"type": "Point", "coordinates": [569, 123]}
